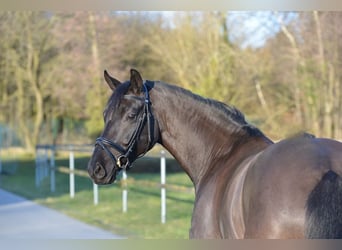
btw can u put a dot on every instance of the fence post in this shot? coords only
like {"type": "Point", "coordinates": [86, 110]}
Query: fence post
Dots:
{"type": "Point", "coordinates": [96, 194]}
{"type": "Point", "coordinates": [0, 159]}
{"type": "Point", "coordinates": [163, 182]}
{"type": "Point", "coordinates": [124, 191]}
{"type": "Point", "coordinates": [52, 170]}
{"type": "Point", "coordinates": [46, 163]}
{"type": "Point", "coordinates": [72, 174]}
{"type": "Point", "coordinates": [0, 154]}
{"type": "Point", "coordinates": [38, 162]}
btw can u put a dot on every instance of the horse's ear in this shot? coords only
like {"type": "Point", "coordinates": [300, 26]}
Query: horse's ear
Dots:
{"type": "Point", "coordinates": [136, 82]}
{"type": "Point", "coordinates": [112, 82]}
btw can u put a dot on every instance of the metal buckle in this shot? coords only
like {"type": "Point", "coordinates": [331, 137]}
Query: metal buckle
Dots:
{"type": "Point", "coordinates": [122, 161]}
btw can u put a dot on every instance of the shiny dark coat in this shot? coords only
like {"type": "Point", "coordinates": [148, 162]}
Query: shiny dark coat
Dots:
{"type": "Point", "coordinates": [246, 186]}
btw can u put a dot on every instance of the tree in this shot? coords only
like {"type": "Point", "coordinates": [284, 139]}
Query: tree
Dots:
{"type": "Point", "coordinates": [316, 81]}
{"type": "Point", "coordinates": [27, 51]}
{"type": "Point", "coordinates": [197, 54]}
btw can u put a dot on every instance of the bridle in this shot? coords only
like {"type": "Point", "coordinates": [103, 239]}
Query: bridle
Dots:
{"type": "Point", "coordinates": [123, 160]}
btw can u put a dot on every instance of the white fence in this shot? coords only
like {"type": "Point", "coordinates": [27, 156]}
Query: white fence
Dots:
{"type": "Point", "coordinates": [45, 167]}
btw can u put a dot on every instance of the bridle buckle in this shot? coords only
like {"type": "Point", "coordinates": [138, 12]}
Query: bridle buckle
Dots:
{"type": "Point", "coordinates": [122, 161]}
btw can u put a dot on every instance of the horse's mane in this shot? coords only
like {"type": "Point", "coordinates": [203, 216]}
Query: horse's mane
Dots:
{"type": "Point", "coordinates": [234, 116]}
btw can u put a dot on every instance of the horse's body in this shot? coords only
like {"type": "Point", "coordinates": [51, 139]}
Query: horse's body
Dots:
{"type": "Point", "coordinates": [246, 186]}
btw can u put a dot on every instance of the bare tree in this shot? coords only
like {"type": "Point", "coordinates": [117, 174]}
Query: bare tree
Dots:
{"type": "Point", "coordinates": [313, 41]}
{"type": "Point", "coordinates": [28, 49]}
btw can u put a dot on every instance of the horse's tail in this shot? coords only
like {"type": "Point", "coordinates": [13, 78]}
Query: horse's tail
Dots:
{"type": "Point", "coordinates": [324, 209]}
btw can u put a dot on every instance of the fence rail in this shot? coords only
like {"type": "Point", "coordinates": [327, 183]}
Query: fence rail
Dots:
{"type": "Point", "coordinates": [45, 167]}
{"type": "Point", "coordinates": [67, 147]}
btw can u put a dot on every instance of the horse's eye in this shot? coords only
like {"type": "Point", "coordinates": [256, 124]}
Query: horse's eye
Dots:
{"type": "Point", "coordinates": [132, 115]}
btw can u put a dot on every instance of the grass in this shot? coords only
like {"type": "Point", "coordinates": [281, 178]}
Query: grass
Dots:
{"type": "Point", "coordinates": [142, 219]}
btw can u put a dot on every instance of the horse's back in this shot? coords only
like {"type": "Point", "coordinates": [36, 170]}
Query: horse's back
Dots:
{"type": "Point", "coordinates": [277, 186]}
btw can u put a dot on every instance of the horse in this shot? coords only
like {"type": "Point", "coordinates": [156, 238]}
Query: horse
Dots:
{"type": "Point", "coordinates": [246, 186]}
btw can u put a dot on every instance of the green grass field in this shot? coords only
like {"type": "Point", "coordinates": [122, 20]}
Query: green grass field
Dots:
{"type": "Point", "coordinates": [142, 219]}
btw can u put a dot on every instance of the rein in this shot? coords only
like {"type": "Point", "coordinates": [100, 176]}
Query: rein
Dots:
{"type": "Point", "coordinates": [123, 160]}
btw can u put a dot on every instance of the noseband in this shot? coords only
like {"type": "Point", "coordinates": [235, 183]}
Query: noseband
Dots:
{"type": "Point", "coordinates": [123, 160]}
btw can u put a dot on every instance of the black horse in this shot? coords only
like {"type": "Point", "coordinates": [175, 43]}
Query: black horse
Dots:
{"type": "Point", "coordinates": [246, 186]}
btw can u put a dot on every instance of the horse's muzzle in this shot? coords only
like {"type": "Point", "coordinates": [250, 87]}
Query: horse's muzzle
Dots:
{"type": "Point", "coordinates": [100, 175]}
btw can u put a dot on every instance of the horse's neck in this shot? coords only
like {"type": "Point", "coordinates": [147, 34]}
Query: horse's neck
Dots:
{"type": "Point", "coordinates": [187, 131]}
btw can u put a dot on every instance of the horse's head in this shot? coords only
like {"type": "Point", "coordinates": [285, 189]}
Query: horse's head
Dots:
{"type": "Point", "coordinates": [130, 128]}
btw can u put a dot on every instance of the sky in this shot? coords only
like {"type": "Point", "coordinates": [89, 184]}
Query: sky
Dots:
{"type": "Point", "coordinates": [254, 28]}
{"type": "Point", "coordinates": [250, 28]}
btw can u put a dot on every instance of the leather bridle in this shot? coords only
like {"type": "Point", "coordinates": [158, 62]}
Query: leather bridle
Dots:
{"type": "Point", "coordinates": [123, 160]}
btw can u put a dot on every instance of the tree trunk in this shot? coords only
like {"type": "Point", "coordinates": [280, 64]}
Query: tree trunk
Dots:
{"type": "Point", "coordinates": [95, 122]}
{"type": "Point", "coordinates": [299, 62]}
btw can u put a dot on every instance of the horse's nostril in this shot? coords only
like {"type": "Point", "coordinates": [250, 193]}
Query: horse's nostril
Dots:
{"type": "Point", "coordinates": [99, 171]}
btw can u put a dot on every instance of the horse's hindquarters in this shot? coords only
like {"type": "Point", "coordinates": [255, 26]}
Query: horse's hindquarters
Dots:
{"type": "Point", "coordinates": [279, 184]}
